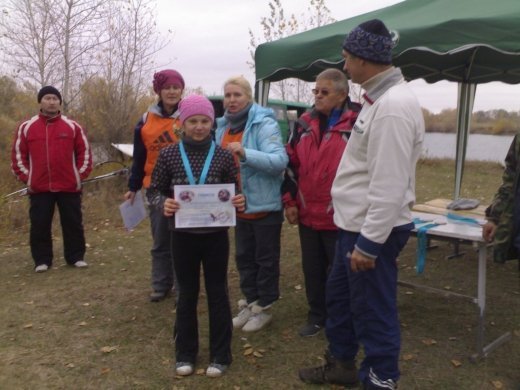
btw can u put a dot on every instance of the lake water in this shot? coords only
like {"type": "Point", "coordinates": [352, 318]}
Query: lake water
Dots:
{"type": "Point", "coordinates": [481, 147]}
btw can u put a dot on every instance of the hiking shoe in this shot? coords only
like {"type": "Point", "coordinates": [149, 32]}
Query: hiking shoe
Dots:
{"type": "Point", "coordinates": [259, 319]}
{"type": "Point", "coordinates": [215, 370]}
{"type": "Point", "coordinates": [184, 368]}
{"type": "Point", "coordinates": [80, 264]}
{"type": "Point", "coordinates": [243, 315]}
{"type": "Point", "coordinates": [332, 372]}
{"type": "Point", "coordinates": [310, 330]}
{"type": "Point", "coordinates": [158, 296]}
{"type": "Point", "coordinates": [41, 268]}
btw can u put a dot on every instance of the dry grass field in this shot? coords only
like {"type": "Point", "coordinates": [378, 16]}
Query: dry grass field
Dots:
{"type": "Point", "coordinates": [95, 329]}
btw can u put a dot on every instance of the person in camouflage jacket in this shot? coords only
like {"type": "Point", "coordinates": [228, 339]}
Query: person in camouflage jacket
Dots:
{"type": "Point", "coordinates": [503, 220]}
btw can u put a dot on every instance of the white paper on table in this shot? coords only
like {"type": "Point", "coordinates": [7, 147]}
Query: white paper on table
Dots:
{"type": "Point", "coordinates": [133, 214]}
{"type": "Point", "coordinates": [205, 205]}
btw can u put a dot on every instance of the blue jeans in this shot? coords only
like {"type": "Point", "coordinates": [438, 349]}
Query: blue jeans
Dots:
{"type": "Point", "coordinates": [163, 275]}
{"type": "Point", "coordinates": [258, 261]}
{"type": "Point", "coordinates": [362, 308]}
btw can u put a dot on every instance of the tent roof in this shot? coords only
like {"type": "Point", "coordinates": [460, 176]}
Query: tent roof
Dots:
{"type": "Point", "coordinates": [458, 40]}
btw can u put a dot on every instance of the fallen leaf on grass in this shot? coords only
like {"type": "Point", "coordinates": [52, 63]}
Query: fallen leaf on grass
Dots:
{"type": "Point", "coordinates": [258, 354]}
{"type": "Point", "coordinates": [108, 349]}
{"type": "Point", "coordinates": [453, 338]}
{"type": "Point", "coordinates": [447, 288]}
{"type": "Point", "coordinates": [28, 326]}
{"type": "Point", "coordinates": [456, 363]}
{"type": "Point", "coordinates": [409, 293]}
{"type": "Point", "coordinates": [261, 350]}
{"type": "Point", "coordinates": [86, 304]}
{"type": "Point", "coordinates": [200, 371]}
{"type": "Point", "coordinates": [82, 323]}
{"type": "Point", "coordinates": [246, 346]}
{"type": "Point", "coordinates": [497, 384]}
{"type": "Point", "coordinates": [408, 356]}
{"type": "Point", "coordinates": [105, 370]}
{"type": "Point", "coordinates": [298, 287]}
{"type": "Point", "coordinates": [29, 302]}
{"type": "Point", "coordinates": [429, 341]}
{"type": "Point", "coordinates": [70, 365]}
{"type": "Point", "coordinates": [248, 351]}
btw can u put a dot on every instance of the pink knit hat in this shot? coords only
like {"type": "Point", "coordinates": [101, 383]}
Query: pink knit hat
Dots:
{"type": "Point", "coordinates": [165, 78]}
{"type": "Point", "coordinates": [196, 105]}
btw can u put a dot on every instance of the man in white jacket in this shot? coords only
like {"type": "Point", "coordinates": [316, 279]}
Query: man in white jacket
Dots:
{"type": "Point", "coordinates": [372, 194]}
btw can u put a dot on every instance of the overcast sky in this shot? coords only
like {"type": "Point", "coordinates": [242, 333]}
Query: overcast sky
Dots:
{"type": "Point", "coordinates": [210, 42]}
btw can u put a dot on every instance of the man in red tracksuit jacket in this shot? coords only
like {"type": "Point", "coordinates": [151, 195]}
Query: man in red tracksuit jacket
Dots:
{"type": "Point", "coordinates": [315, 149]}
{"type": "Point", "coordinates": [51, 155]}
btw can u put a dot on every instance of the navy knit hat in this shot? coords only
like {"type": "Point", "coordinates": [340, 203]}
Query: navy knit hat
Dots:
{"type": "Point", "coordinates": [370, 41]}
{"type": "Point", "coordinates": [48, 90]}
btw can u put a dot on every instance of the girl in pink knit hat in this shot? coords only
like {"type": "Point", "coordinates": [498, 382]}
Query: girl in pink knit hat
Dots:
{"type": "Point", "coordinates": [197, 160]}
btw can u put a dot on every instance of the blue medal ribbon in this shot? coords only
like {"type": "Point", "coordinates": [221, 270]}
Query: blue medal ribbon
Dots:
{"type": "Point", "coordinates": [187, 166]}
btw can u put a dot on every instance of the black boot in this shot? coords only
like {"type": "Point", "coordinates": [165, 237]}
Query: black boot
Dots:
{"type": "Point", "coordinates": [334, 371]}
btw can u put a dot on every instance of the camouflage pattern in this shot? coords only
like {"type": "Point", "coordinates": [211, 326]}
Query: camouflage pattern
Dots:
{"type": "Point", "coordinates": [501, 210]}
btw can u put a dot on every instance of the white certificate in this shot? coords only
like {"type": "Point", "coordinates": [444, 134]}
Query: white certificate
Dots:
{"type": "Point", "coordinates": [206, 205]}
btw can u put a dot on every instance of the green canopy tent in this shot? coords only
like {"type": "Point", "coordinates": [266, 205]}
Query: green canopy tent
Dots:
{"type": "Point", "coordinates": [464, 41]}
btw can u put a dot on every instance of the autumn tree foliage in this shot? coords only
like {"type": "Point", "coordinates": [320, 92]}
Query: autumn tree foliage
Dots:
{"type": "Point", "coordinates": [92, 50]}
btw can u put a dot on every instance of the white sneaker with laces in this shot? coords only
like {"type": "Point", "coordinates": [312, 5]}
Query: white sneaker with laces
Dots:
{"type": "Point", "coordinates": [259, 319]}
{"type": "Point", "coordinates": [80, 264]}
{"type": "Point", "coordinates": [41, 268]}
{"type": "Point", "coordinates": [243, 315]}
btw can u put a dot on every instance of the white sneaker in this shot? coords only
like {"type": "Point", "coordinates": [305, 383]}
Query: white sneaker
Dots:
{"type": "Point", "coordinates": [41, 268]}
{"type": "Point", "coordinates": [80, 264]}
{"type": "Point", "coordinates": [215, 370]}
{"type": "Point", "coordinates": [243, 315]}
{"type": "Point", "coordinates": [259, 319]}
{"type": "Point", "coordinates": [183, 368]}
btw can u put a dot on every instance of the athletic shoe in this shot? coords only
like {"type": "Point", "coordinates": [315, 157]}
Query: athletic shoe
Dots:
{"type": "Point", "coordinates": [158, 296]}
{"type": "Point", "coordinates": [215, 370]}
{"type": "Point", "coordinates": [41, 268]}
{"type": "Point", "coordinates": [80, 264]}
{"type": "Point", "coordinates": [334, 371]}
{"type": "Point", "coordinates": [258, 320]}
{"type": "Point", "coordinates": [310, 330]}
{"type": "Point", "coordinates": [184, 368]}
{"type": "Point", "coordinates": [243, 315]}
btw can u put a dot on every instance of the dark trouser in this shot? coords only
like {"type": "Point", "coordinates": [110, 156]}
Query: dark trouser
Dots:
{"type": "Point", "coordinates": [362, 309]}
{"type": "Point", "coordinates": [189, 252]}
{"type": "Point", "coordinates": [318, 248]}
{"type": "Point", "coordinates": [163, 275]}
{"type": "Point", "coordinates": [41, 212]}
{"type": "Point", "coordinates": [258, 261]}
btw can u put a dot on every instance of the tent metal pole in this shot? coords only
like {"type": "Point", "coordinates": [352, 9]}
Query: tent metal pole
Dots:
{"type": "Point", "coordinates": [262, 92]}
{"type": "Point", "coordinates": [466, 98]}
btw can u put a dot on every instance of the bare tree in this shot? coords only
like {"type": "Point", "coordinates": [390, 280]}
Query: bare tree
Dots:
{"type": "Point", "coordinates": [277, 26]}
{"type": "Point", "coordinates": [75, 26]}
{"type": "Point", "coordinates": [124, 70]}
{"type": "Point", "coordinates": [28, 42]}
